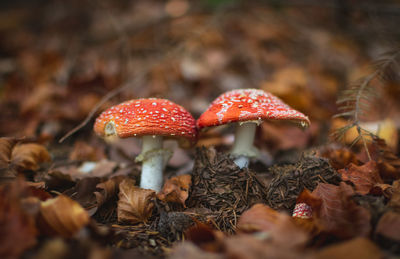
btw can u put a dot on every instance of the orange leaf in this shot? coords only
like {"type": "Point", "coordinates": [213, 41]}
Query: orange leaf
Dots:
{"type": "Point", "coordinates": [17, 227]}
{"type": "Point", "coordinates": [62, 216]}
{"type": "Point", "coordinates": [340, 158]}
{"type": "Point", "coordinates": [281, 227]}
{"type": "Point", "coordinates": [355, 248]}
{"type": "Point", "coordinates": [176, 189]}
{"type": "Point", "coordinates": [29, 156]}
{"type": "Point", "coordinates": [135, 204]}
{"type": "Point", "coordinates": [339, 214]}
{"type": "Point", "coordinates": [389, 225]}
{"type": "Point", "coordinates": [363, 177]}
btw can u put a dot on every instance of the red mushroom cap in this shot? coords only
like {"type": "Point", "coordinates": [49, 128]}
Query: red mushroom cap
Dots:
{"type": "Point", "coordinates": [248, 105]}
{"type": "Point", "coordinates": [151, 116]}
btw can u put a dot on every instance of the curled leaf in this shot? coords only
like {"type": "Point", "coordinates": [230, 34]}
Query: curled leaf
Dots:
{"type": "Point", "coordinates": [29, 156]}
{"type": "Point", "coordinates": [389, 225]}
{"type": "Point", "coordinates": [355, 248]}
{"type": "Point", "coordinates": [281, 228]}
{"type": "Point", "coordinates": [363, 177]}
{"type": "Point", "coordinates": [176, 189]}
{"type": "Point", "coordinates": [62, 216]}
{"type": "Point", "coordinates": [135, 204]}
{"type": "Point", "coordinates": [17, 227]}
{"type": "Point", "coordinates": [339, 214]}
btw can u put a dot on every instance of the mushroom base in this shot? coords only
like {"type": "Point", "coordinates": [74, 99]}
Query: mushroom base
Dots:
{"type": "Point", "coordinates": [243, 147]}
{"type": "Point", "coordinates": [153, 163]}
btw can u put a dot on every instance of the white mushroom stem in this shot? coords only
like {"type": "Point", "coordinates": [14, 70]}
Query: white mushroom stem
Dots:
{"type": "Point", "coordinates": [153, 164]}
{"type": "Point", "coordinates": [243, 147]}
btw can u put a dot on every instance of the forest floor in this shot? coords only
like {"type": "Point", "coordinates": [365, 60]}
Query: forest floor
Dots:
{"type": "Point", "coordinates": [64, 62]}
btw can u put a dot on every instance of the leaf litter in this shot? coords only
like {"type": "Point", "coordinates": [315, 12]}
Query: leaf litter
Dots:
{"type": "Point", "coordinates": [79, 199]}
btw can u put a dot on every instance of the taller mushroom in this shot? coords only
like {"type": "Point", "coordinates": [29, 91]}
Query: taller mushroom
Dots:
{"type": "Point", "coordinates": [153, 120]}
{"type": "Point", "coordinates": [248, 108]}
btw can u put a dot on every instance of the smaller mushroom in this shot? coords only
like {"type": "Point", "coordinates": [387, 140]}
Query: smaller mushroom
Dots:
{"type": "Point", "coordinates": [302, 210]}
{"type": "Point", "coordinates": [153, 120]}
{"type": "Point", "coordinates": [248, 108]}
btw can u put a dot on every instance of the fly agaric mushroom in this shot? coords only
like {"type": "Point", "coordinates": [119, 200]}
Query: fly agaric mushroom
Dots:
{"type": "Point", "coordinates": [302, 210]}
{"type": "Point", "coordinates": [152, 119]}
{"type": "Point", "coordinates": [248, 108]}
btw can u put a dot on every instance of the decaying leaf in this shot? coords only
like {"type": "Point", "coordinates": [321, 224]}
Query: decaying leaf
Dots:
{"type": "Point", "coordinates": [205, 237]}
{"type": "Point", "coordinates": [356, 248]}
{"type": "Point", "coordinates": [135, 204]}
{"type": "Point", "coordinates": [176, 189]}
{"type": "Point", "coordinates": [17, 158]}
{"type": "Point", "coordinates": [395, 198]}
{"type": "Point", "coordinates": [259, 217]}
{"type": "Point", "coordinates": [339, 214]}
{"type": "Point", "coordinates": [29, 156]}
{"type": "Point", "coordinates": [388, 162]}
{"type": "Point", "coordinates": [62, 216]}
{"type": "Point", "coordinates": [107, 189]}
{"type": "Point", "coordinates": [250, 247]}
{"type": "Point", "coordinates": [340, 158]}
{"type": "Point", "coordinates": [281, 228]}
{"type": "Point", "coordinates": [17, 228]}
{"type": "Point", "coordinates": [389, 225]}
{"type": "Point", "coordinates": [363, 177]}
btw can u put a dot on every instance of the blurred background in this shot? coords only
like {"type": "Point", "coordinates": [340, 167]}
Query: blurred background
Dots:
{"type": "Point", "coordinates": [60, 60]}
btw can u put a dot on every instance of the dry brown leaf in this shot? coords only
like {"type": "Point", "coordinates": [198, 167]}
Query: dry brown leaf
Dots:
{"type": "Point", "coordinates": [135, 204]}
{"type": "Point", "coordinates": [176, 189]}
{"type": "Point", "coordinates": [62, 216]}
{"type": "Point", "coordinates": [29, 156]}
{"type": "Point", "coordinates": [355, 248]}
{"type": "Point", "coordinates": [340, 158]}
{"type": "Point", "coordinates": [205, 237]}
{"type": "Point", "coordinates": [281, 227]}
{"type": "Point", "coordinates": [363, 177]}
{"type": "Point", "coordinates": [245, 246]}
{"type": "Point", "coordinates": [17, 228]}
{"type": "Point", "coordinates": [259, 217]}
{"type": "Point", "coordinates": [107, 189]}
{"type": "Point", "coordinates": [388, 162]}
{"type": "Point", "coordinates": [382, 189]}
{"type": "Point", "coordinates": [339, 214]}
{"type": "Point", "coordinates": [85, 152]}
{"type": "Point", "coordinates": [389, 225]}
{"type": "Point", "coordinates": [6, 146]}
{"type": "Point", "coordinates": [395, 199]}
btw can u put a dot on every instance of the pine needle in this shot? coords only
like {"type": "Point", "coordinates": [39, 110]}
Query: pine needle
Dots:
{"type": "Point", "coordinates": [358, 98]}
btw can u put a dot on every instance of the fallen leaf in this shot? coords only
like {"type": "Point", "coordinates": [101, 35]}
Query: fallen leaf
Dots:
{"type": "Point", "coordinates": [16, 158]}
{"type": "Point", "coordinates": [29, 156]}
{"type": "Point", "coordinates": [135, 204]}
{"type": "Point", "coordinates": [356, 248]}
{"type": "Point", "coordinates": [389, 225]}
{"type": "Point", "coordinates": [363, 177]}
{"type": "Point", "coordinates": [205, 237]}
{"type": "Point", "coordinates": [382, 189]}
{"type": "Point", "coordinates": [17, 228]}
{"type": "Point", "coordinates": [281, 228]}
{"type": "Point", "coordinates": [83, 193]}
{"type": "Point", "coordinates": [340, 158]}
{"type": "Point", "coordinates": [388, 162]}
{"type": "Point", "coordinates": [339, 214]}
{"type": "Point", "coordinates": [394, 202]}
{"type": "Point", "coordinates": [176, 189]}
{"type": "Point", "coordinates": [259, 217]}
{"type": "Point", "coordinates": [107, 189]}
{"type": "Point", "coordinates": [187, 249]}
{"type": "Point", "coordinates": [62, 216]}
{"type": "Point", "coordinates": [85, 152]}
{"type": "Point", "coordinates": [251, 247]}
